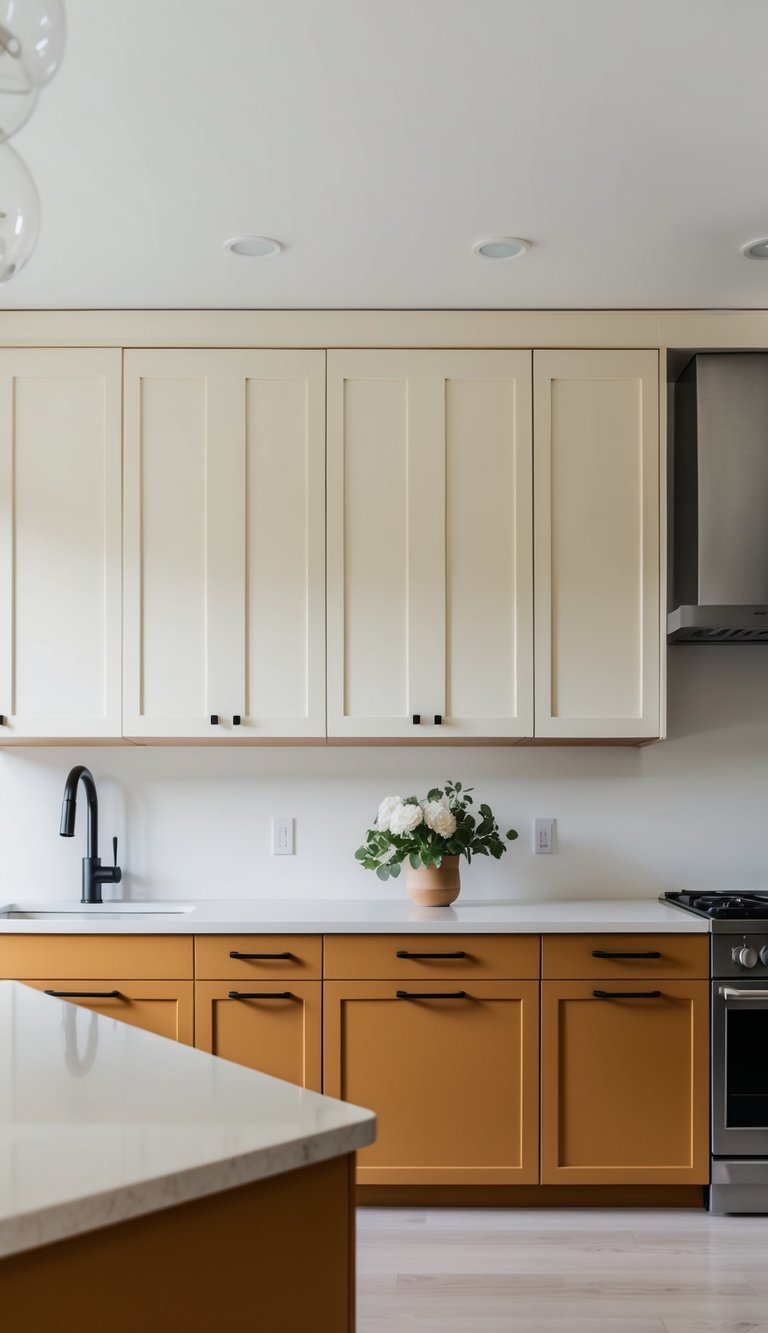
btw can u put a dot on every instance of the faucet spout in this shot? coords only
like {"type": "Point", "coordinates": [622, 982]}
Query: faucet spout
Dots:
{"type": "Point", "coordinates": [94, 874]}
{"type": "Point", "coordinates": [69, 807]}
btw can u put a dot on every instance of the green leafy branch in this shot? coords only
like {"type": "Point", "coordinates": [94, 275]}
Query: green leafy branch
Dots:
{"type": "Point", "coordinates": [476, 834]}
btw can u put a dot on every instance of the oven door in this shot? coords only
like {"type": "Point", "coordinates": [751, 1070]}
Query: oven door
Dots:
{"type": "Point", "coordinates": [739, 1069]}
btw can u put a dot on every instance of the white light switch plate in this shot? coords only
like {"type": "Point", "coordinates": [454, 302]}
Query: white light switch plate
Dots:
{"type": "Point", "coordinates": [543, 836]}
{"type": "Point", "coordinates": [282, 837]}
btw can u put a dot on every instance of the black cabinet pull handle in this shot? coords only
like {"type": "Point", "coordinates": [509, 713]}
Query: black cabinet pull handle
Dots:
{"type": "Point", "coordinates": [260, 994]}
{"type": "Point", "coordinates": [416, 719]}
{"type": "Point", "coordinates": [406, 953]}
{"type": "Point", "coordinates": [601, 953]}
{"type": "Point", "coordinates": [626, 994]}
{"type": "Point", "coordinates": [431, 995]}
{"type": "Point", "coordinates": [85, 994]}
{"type": "Point", "coordinates": [2, 720]}
{"type": "Point", "coordinates": [236, 720]}
{"type": "Point", "coordinates": [214, 719]}
{"type": "Point", "coordinates": [438, 719]}
{"type": "Point", "coordinates": [235, 953]}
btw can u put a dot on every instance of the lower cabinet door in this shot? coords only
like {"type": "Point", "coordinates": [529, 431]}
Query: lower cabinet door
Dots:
{"type": "Point", "coordinates": [165, 1007]}
{"type": "Point", "coordinates": [625, 1082]}
{"type": "Point", "coordinates": [272, 1026]}
{"type": "Point", "coordinates": [450, 1069]}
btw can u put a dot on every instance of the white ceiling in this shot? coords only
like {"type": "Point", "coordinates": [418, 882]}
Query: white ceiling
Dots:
{"type": "Point", "coordinates": [378, 139]}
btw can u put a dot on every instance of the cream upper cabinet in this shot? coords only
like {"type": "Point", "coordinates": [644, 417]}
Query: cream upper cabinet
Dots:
{"type": "Point", "coordinates": [224, 544]}
{"type": "Point", "coordinates": [429, 545]}
{"type": "Point", "coordinates": [596, 521]}
{"type": "Point", "coordinates": [60, 544]}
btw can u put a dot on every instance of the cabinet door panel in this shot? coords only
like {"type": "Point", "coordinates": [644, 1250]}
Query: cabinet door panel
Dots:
{"type": "Point", "coordinates": [596, 464]}
{"type": "Point", "coordinates": [277, 1030]}
{"type": "Point", "coordinates": [488, 508]}
{"type": "Point", "coordinates": [164, 1007]}
{"type": "Point", "coordinates": [224, 544]}
{"type": "Point", "coordinates": [625, 1084]}
{"type": "Point", "coordinates": [166, 577]}
{"type": "Point", "coordinates": [60, 544]}
{"type": "Point", "coordinates": [285, 545]}
{"type": "Point", "coordinates": [429, 550]}
{"type": "Point", "coordinates": [452, 1081]}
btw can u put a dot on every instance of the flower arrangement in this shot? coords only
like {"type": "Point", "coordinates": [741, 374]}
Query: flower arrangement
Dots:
{"type": "Point", "coordinates": [425, 831]}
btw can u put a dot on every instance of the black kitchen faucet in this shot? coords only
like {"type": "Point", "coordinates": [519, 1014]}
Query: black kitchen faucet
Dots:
{"type": "Point", "coordinates": [94, 873]}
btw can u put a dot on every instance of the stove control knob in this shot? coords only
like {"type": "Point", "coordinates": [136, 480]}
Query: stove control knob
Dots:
{"type": "Point", "coordinates": [745, 956]}
{"type": "Point", "coordinates": [764, 957]}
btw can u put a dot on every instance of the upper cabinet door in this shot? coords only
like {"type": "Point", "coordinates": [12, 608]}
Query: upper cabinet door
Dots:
{"type": "Point", "coordinates": [429, 545]}
{"type": "Point", "coordinates": [596, 520]}
{"type": "Point", "coordinates": [60, 544]}
{"type": "Point", "coordinates": [225, 541]}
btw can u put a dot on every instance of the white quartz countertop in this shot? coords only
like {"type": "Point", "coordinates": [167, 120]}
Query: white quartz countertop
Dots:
{"type": "Point", "coordinates": [101, 1121]}
{"type": "Point", "coordinates": [349, 916]}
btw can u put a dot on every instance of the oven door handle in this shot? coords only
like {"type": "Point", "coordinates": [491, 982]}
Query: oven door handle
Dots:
{"type": "Point", "coordinates": [730, 993]}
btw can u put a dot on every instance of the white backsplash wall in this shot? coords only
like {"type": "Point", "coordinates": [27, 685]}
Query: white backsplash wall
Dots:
{"type": "Point", "coordinates": [691, 812]}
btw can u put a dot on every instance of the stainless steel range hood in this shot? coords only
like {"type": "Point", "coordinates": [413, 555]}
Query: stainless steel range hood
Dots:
{"type": "Point", "coordinates": [720, 505]}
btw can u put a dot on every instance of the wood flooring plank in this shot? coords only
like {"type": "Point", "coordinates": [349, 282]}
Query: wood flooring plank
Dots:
{"type": "Point", "coordinates": [560, 1271]}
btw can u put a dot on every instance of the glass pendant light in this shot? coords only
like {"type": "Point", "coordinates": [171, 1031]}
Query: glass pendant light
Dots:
{"type": "Point", "coordinates": [19, 213]}
{"type": "Point", "coordinates": [32, 34]}
{"type": "Point", "coordinates": [18, 95]}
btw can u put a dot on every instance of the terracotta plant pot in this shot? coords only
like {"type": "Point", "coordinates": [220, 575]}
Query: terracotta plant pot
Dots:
{"type": "Point", "coordinates": [435, 886]}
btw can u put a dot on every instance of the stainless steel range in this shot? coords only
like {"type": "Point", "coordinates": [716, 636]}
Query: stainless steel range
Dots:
{"type": "Point", "coordinates": [739, 970]}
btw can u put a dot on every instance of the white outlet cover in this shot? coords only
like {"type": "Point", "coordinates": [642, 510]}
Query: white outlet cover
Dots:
{"type": "Point", "coordinates": [283, 840]}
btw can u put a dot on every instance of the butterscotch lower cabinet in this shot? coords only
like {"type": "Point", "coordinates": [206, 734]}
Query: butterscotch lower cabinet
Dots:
{"type": "Point", "coordinates": [625, 1061]}
{"type": "Point", "coordinates": [139, 979]}
{"type": "Point", "coordinates": [258, 1001]}
{"type": "Point", "coordinates": [445, 1053]}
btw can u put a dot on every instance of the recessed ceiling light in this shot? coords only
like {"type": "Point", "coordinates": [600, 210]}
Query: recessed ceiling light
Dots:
{"type": "Point", "coordinates": [501, 247]}
{"type": "Point", "coordinates": [756, 249]}
{"type": "Point", "coordinates": [253, 247]}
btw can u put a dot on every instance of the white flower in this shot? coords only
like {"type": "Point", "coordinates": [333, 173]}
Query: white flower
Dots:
{"type": "Point", "coordinates": [440, 818]}
{"type": "Point", "coordinates": [405, 818]}
{"type": "Point", "coordinates": [386, 810]}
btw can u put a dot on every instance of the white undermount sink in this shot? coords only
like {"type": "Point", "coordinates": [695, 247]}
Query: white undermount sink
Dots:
{"type": "Point", "coordinates": [66, 910]}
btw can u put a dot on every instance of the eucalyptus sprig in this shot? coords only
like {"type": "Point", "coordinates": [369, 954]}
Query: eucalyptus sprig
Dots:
{"type": "Point", "coordinates": [444, 823]}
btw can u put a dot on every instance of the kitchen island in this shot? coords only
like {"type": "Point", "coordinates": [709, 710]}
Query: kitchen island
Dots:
{"type": "Point", "coordinates": [146, 1185]}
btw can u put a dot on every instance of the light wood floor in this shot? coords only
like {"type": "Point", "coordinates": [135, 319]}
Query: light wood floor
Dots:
{"type": "Point", "coordinates": [565, 1271]}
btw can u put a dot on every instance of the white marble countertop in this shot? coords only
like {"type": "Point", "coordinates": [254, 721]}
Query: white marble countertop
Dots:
{"type": "Point", "coordinates": [345, 916]}
{"type": "Point", "coordinates": [101, 1121]}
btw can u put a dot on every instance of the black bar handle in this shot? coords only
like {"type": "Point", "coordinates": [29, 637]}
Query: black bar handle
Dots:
{"type": "Point", "coordinates": [406, 953]}
{"type": "Point", "coordinates": [260, 994]}
{"type": "Point", "coordinates": [235, 953]}
{"type": "Point", "coordinates": [236, 720]}
{"type": "Point", "coordinates": [602, 953]}
{"type": "Point", "coordinates": [2, 720]}
{"type": "Point", "coordinates": [431, 995]}
{"type": "Point", "coordinates": [438, 719]}
{"type": "Point", "coordinates": [626, 994]}
{"type": "Point", "coordinates": [84, 994]}
{"type": "Point", "coordinates": [214, 719]}
{"type": "Point", "coordinates": [416, 719]}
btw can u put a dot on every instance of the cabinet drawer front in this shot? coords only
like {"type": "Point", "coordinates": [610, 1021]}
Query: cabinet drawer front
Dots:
{"type": "Point", "coordinates": [431, 957]}
{"type": "Point", "coordinates": [274, 1027]}
{"type": "Point", "coordinates": [135, 956]}
{"type": "Point", "coordinates": [584, 956]}
{"type": "Point", "coordinates": [164, 1007]}
{"type": "Point", "coordinates": [269, 957]}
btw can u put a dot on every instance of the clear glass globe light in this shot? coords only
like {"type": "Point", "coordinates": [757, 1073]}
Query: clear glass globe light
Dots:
{"type": "Point", "coordinates": [19, 213]}
{"type": "Point", "coordinates": [32, 36]}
